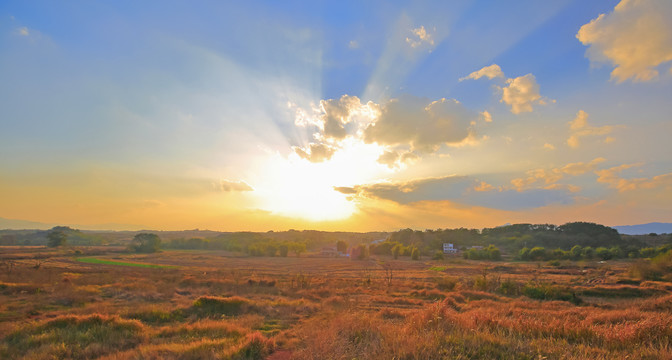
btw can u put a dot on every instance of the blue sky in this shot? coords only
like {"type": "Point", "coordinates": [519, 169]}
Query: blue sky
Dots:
{"type": "Point", "coordinates": [251, 116]}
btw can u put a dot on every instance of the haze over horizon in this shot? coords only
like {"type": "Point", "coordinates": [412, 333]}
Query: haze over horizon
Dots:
{"type": "Point", "coordinates": [347, 116]}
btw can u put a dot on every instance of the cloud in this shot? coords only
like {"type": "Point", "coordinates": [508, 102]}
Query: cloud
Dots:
{"type": "Point", "coordinates": [337, 115]}
{"type": "Point", "coordinates": [422, 124]}
{"type": "Point", "coordinates": [521, 93]}
{"type": "Point", "coordinates": [394, 159]}
{"type": "Point", "coordinates": [490, 72]}
{"type": "Point", "coordinates": [552, 176]}
{"type": "Point", "coordinates": [404, 192]}
{"type": "Point", "coordinates": [315, 152]}
{"type": "Point", "coordinates": [405, 127]}
{"type": "Point", "coordinates": [419, 37]}
{"type": "Point", "coordinates": [23, 31]}
{"type": "Point", "coordinates": [484, 187]}
{"type": "Point", "coordinates": [636, 38]}
{"type": "Point", "coordinates": [548, 146]}
{"type": "Point", "coordinates": [568, 187]}
{"type": "Point", "coordinates": [579, 128]}
{"type": "Point", "coordinates": [229, 186]}
{"type": "Point", "coordinates": [337, 118]}
{"type": "Point", "coordinates": [612, 177]}
{"type": "Point", "coordinates": [353, 44]}
{"type": "Point", "coordinates": [459, 189]}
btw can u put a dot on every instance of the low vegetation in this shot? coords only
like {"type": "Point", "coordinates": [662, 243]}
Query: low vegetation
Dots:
{"type": "Point", "coordinates": [382, 303]}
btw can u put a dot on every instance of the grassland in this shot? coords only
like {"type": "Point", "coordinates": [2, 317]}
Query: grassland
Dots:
{"type": "Point", "coordinates": [122, 263]}
{"type": "Point", "coordinates": [220, 305]}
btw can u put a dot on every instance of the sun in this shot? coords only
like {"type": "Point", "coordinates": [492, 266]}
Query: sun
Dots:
{"type": "Point", "coordinates": [294, 187]}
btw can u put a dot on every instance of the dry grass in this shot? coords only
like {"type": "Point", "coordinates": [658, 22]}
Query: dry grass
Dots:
{"type": "Point", "coordinates": [218, 306]}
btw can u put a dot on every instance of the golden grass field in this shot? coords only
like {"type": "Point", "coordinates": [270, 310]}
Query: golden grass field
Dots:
{"type": "Point", "coordinates": [218, 305]}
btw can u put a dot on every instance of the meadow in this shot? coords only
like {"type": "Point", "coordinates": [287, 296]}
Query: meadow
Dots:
{"type": "Point", "coordinates": [105, 303]}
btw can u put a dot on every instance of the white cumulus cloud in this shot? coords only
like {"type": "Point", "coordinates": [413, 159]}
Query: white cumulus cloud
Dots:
{"type": "Point", "coordinates": [636, 38]}
{"type": "Point", "coordinates": [490, 72]}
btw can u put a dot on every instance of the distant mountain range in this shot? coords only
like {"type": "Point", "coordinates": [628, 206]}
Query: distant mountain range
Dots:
{"type": "Point", "coordinates": [641, 229]}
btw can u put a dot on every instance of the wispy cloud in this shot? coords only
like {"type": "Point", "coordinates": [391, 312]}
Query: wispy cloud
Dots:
{"type": "Point", "coordinates": [579, 128]}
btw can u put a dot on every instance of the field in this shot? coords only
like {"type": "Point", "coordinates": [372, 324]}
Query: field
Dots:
{"type": "Point", "coordinates": [99, 302]}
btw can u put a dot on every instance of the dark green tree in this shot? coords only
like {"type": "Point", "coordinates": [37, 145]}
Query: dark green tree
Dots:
{"type": "Point", "coordinates": [56, 238]}
{"type": "Point", "coordinates": [146, 243]}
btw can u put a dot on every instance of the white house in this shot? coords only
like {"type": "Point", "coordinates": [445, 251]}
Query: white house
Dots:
{"type": "Point", "coordinates": [448, 248]}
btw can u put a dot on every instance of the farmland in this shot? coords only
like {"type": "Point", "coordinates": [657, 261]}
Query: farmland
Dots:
{"type": "Point", "coordinates": [216, 304]}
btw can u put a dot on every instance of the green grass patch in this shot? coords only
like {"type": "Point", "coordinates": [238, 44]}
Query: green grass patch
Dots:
{"type": "Point", "coordinates": [89, 260]}
{"type": "Point", "coordinates": [438, 268]}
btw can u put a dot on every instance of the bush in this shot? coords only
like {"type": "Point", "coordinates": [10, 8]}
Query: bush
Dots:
{"type": "Point", "coordinates": [213, 305]}
{"type": "Point", "coordinates": [509, 287]}
{"type": "Point", "coordinates": [446, 283]}
{"type": "Point", "coordinates": [550, 292]}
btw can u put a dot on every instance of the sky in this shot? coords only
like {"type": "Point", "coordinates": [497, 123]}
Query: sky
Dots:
{"type": "Point", "coordinates": [348, 115]}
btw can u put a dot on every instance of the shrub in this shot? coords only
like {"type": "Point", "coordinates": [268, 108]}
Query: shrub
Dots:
{"type": "Point", "coordinates": [550, 292]}
{"type": "Point", "coordinates": [213, 305]}
{"type": "Point", "coordinates": [446, 283]}
{"type": "Point", "coordinates": [509, 287]}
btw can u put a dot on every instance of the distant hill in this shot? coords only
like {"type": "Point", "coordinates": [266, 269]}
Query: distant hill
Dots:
{"type": "Point", "coordinates": [641, 229]}
{"type": "Point", "coordinates": [23, 224]}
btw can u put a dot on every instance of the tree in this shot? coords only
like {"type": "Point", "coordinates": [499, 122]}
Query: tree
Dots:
{"type": "Point", "coordinates": [415, 254]}
{"type": "Point", "coordinates": [363, 252]}
{"type": "Point", "coordinates": [537, 253]}
{"type": "Point", "coordinates": [397, 250]}
{"type": "Point", "coordinates": [524, 254]}
{"type": "Point", "coordinates": [271, 249]}
{"type": "Point", "coordinates": [145, 243]}
{"type": "Point", "coordinates": [283, 249]}
{"type": "Point", "coordinates": [603, 253]}
{"type": "Point", "coordinates": [494, 253]}
{"type": "Point", "coordinates": [56, 237]}
{"type": "Point", "coordinates": [298, 248]}
{"type": "Point", "coordinates": [576, 252]}
{"type": "Point", "coordinates": [587, 252]}
{"type": "Point", "coordinates": [341, 246]}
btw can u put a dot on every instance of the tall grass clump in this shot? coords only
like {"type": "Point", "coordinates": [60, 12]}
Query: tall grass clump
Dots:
{"type": "Point", "coordinates": [73, 337]}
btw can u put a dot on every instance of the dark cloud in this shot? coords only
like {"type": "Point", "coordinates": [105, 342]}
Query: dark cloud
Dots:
{"type": "Point", "coordinates": [459, 189]}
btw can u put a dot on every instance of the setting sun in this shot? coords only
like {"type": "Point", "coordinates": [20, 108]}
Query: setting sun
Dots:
{"type": "Point", "coordinates": [293, 186]}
